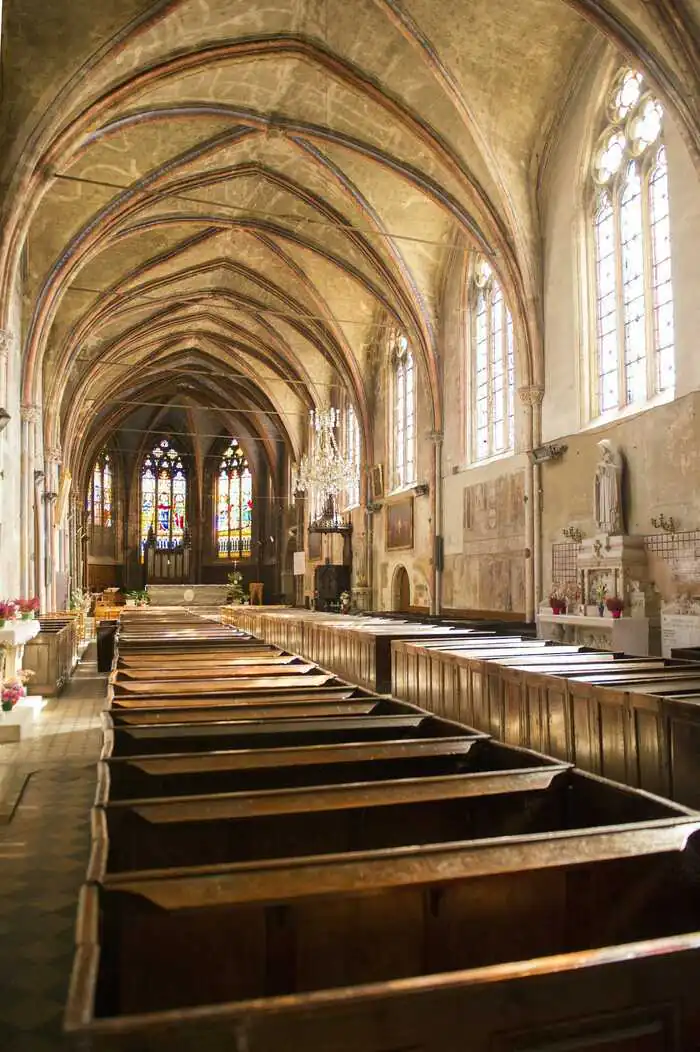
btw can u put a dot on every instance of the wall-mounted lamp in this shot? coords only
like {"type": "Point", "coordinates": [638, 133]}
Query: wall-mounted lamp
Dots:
{"type": "Point", "coordinates": [667, 525]}
{"type": "Point", "coordinates": [4, 419]}
{"type": "Point", "coordinates": [573, 533]}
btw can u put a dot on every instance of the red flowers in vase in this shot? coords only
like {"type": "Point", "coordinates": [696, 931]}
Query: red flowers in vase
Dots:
{"type": "Point", "coordinates": [28, 607]}
{"type": "Point", "coordinates": [7, 610]}
{"type": "Point", "coordinates": [557, 601]}
{"type": "Point", "coordinates": [615, 605]}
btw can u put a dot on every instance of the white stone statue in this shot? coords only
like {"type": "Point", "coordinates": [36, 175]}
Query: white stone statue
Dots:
{"type": "Point", "coordinates": [607, 499]}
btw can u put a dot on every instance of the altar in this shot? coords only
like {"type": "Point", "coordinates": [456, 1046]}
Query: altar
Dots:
{"type": "Point", "coordinates": [191, 595]}
{"type": "Point", "coordinates": [629, 635]}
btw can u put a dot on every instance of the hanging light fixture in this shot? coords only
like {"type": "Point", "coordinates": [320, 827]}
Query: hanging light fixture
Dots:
{"type": "Point", "coordinates": [324, 469]}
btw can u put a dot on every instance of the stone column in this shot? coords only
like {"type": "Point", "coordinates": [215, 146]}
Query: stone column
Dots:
{"type": "Point", "coordinates": [6, 343]}
{"type": "Point", "coordinates": [53, 457]}
{"type": "Point", "coordinates": [436, 437]}
{"type": "Point", "coordinates": [30, 416]}
{"type": "Point", "coordinates": [531, 397]}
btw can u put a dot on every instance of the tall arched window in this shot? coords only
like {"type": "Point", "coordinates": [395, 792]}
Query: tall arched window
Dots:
{"type": "Point", "coordinates": [351, 444]}
{"type": "Point", "coordinates": [100, 497]}
{"type": "Point", "coordinates": [163, 497]}
{"type": "Point", "coordinates": [234, 504]}
{"type": "Point", "coordinates": [404, 415]}
{"type": "Point", "coordinates": [492, 380]}
{"type": "Point", "coordinates": [634, 339]}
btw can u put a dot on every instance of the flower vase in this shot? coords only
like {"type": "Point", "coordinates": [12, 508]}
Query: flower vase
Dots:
{"type": "Point", "coordinates": [28, 615]}
{"type": "Point", "coordinates": [2, 622]}
{"type": "Point", "coordinates": [7, 706]}
{"type": "Point", "coordinates": [601, 609]}
{"type": "Point", "coordinates": [616, 614]}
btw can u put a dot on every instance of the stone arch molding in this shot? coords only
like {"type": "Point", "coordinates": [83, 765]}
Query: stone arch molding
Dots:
{"type": "Point", "coordinates": [274, 229]}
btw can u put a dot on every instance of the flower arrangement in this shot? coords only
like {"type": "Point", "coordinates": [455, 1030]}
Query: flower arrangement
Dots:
{"type": "Point", "coordinates": [600, 591]}
{"type": "Point", "coordinates": [615, 605]}
{"type": "Point", "coordinates": [28, 607]}
{"type": "Point", "coordinates": [7, 611]}
{"type": "Point", "coordinates": [139, 597]}
{"type": "Point", "coordinates": [12, 691]}
{"type": "Point", "coordinates": [557, 599]}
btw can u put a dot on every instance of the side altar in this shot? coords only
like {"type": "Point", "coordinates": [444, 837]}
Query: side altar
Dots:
{"type": "Point", "coordinates": [610, 565]}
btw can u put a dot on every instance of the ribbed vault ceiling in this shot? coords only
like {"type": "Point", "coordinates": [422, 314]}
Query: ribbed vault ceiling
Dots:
{"type": "Point", "coordinates": [225, 200]}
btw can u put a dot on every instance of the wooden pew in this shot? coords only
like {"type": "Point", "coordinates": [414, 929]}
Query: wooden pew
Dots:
{"type": "Point", "coordinates": [346, 702]}
{"type": "Point", "coordinates": [210, 688]}
{"type": "Point", "coordinates": [274, 733]}
{"type": "Point", "coordinates": [196, 774]}
{"type": "Point", "coordinates": [363, 817]}
{"type": "Point", "coordinates": [411, 948]}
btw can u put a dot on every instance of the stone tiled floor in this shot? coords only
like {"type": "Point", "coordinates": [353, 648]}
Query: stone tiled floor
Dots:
{"type": "Point", "coordinates": [43, 857]}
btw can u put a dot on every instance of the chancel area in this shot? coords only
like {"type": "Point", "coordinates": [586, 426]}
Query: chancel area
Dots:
{"type": "Point", "coordinates": [350, 402]}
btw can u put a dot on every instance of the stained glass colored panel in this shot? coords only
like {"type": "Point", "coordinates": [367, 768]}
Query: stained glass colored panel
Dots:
{"type": "Point", "coordinates": [163, 497]}
{"type": "Point", "coordinates": [234, 504]}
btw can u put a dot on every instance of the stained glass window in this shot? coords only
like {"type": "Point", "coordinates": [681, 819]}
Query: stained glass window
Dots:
{"type": "Point", "coordinates": [100, 495]}
{"type": "Point", "coordinates": [234, 504]}
{"type": "Point", "coordinates": [352, 453]}
{"type": "Point", "coordinates": [634, 332]}
{"type": "Point", "coordinates": [404, 422]}
{"type": "Point", "coordinates": [493, 366]}
{"type": "Point", "coordinates": [163, 498]}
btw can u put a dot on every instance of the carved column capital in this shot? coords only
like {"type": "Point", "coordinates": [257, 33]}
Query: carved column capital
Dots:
{"type": "Point", "coordinates": [30, 414]}
{"type": "Point", "coordinates": [531, 394]}
{"type": "Point", "coordinates": [435, 436]}
{"type": "Point", "coordinates": [54, 455]}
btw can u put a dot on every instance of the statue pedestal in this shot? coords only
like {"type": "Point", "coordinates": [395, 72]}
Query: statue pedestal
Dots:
{"type": "Point", "coordinates": [629, 635]}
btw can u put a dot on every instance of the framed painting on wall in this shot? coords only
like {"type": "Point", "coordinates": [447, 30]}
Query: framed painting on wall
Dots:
{"type": "Point", "coordinates": [376, 482]}
{"type": "Point", "coordinates": [315, 545]}
{"type": "Point", "coordinates": [399, 525]}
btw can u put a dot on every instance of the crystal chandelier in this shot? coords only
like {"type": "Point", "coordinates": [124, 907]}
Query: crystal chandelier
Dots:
{"type": "Point", "coordinates": [324, 470]}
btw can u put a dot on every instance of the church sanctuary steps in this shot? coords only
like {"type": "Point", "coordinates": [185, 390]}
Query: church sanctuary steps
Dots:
{"type": "Point", "coordinates": [394, 887]}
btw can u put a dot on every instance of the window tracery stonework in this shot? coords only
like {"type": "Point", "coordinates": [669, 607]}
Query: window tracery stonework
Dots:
{"type": "Point", "coordinates": [633, 324]}
{"type": "Point", "coordinates": [491, 366]}
{"type": "Point", "coordinates": [403, 436]}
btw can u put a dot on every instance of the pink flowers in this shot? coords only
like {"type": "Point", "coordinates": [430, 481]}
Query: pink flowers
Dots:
{"type": "Point", "coordinates": [12, 691]}
{"type": "Point", "coordinates": [7, 610]}
{"type": "Point", "coordinates": [28, 606]}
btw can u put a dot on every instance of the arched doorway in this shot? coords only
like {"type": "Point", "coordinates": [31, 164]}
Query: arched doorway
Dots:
{"type": "Point", "coordinates": [401, 591]}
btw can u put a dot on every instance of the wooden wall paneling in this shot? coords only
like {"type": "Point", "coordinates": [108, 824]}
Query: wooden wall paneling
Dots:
{"type": "Point", "coordinates": [556, 705]}
{"type": "Point", "coordinates": [683, 729]}
{"type": "Point", "coordinates": [649, 758]}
